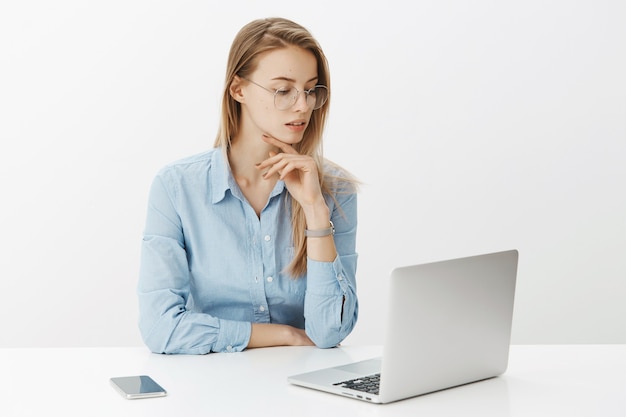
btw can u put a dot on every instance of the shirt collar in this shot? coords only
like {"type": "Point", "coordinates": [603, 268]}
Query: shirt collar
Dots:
{"type": "Point", "coordinates": [220, 174]}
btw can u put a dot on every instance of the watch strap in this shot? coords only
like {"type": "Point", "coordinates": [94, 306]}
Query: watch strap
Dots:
{"type": "Point", "coordinates": [322, 232]}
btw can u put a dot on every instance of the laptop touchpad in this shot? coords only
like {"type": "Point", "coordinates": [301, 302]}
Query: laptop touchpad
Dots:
{"type": "Point", "coordinates": [367, 367]}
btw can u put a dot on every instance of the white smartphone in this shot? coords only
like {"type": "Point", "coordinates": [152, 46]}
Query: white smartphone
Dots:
{"type": "Point", "coordinates": [141, 386]}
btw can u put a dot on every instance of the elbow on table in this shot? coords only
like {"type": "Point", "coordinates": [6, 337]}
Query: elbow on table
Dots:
{"type": "Point", "coordinates": [327, 345]}
{"type": "Point", "coordinates": [154, 342]}
{"type": "Point", "coordinates": [325, 340]}
{"type": "Point", "coordinates": [161, 344]}
{"type": "Point", "coordinates": [328, 336]}
{"type": "Point", "coordinates": [156, 336]}
{"type": "Point", "coordinates": [166, 340]}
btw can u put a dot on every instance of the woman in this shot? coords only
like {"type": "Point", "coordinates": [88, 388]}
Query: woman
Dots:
{"type": "Point", "coordinates": [252, 244]}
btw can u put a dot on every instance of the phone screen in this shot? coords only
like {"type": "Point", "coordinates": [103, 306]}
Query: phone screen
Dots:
{"type": "Point", "coordinates": [141, 386]}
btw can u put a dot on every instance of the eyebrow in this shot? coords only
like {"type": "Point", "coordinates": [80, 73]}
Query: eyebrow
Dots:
{"type": "Point", "coordinates": [292, 80]}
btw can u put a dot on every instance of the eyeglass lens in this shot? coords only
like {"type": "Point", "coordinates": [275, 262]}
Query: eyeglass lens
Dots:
{"type": "Point", "coordinates": [287, 97]}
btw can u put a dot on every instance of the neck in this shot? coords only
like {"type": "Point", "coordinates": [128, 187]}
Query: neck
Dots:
{"type": "Point", "coordinates": [244, 154]}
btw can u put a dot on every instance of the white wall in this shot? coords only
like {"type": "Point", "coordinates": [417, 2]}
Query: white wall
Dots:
{"type": "Point", "coordinates": [474, 126]}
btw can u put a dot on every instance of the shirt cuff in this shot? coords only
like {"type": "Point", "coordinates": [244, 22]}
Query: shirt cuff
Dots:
{"type": "Point", "coordinates": [234, 336]}
{"type": "Point", "coordinates": [324, 277]}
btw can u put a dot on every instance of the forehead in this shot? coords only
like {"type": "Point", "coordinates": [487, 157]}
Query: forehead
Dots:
{"type": "Point", "coordinates": [292, 62]}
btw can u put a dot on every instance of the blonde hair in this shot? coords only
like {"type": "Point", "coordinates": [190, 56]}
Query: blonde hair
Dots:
{"type": "Point", "coordinates": [252, 40]}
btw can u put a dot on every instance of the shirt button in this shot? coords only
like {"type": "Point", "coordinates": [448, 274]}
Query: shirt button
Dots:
{"type": "Point", "coordinates": [340, 277]}
{"type": "Point", "coordinates": [229, 348]}
{"type": "Point", "coordinates": [267, 238]}
{"type": "Point", "coordinates": [270, 279]}
{"type": "Point", "coordinates": [261, 308]}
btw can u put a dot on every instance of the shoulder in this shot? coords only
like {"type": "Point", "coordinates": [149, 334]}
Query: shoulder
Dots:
{"type": "Point", "coordinates": [197, 161]}
{"type": "Point", "coordinates": [196, 172]}
{"type": "Point", "coordinates": [193, 166]}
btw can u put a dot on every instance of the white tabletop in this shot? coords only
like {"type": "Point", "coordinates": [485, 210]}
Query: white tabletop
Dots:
{"type": "Point", "coordinates": [557, 380]}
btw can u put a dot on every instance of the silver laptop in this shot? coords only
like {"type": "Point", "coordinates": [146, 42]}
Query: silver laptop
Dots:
{"type": "Point", "coordinates": [448, 324]}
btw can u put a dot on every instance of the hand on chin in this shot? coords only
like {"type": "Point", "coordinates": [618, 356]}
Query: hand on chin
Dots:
{"type": "Point", "coordinates": [284, 140]}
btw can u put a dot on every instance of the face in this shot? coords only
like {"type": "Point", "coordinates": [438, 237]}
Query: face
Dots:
{"type": "Point", "coordinates": [277, 69]}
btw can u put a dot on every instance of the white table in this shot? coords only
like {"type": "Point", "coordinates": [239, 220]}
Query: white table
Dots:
{"type": "Point", "coordinates": [556, 380]}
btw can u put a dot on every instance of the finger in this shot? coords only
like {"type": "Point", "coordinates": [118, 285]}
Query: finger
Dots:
{"type": "Point", "coordinates": [279, 168]}
{"type": "Point", "coordinates": [284, 167]}
{"type": "Point", "coordinates": [273, 158]}
{"type": "Point", "coordinates": [286, 170]}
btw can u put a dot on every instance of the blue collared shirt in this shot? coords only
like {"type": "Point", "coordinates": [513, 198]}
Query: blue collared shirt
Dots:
{"type": "Point", "coordinates": [210, 267]}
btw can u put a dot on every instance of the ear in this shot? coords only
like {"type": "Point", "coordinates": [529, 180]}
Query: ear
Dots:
{"type": "Point", "coordinates": [235, 89]}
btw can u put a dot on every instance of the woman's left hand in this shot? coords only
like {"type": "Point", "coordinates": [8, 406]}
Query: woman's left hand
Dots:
{"type": "Point", "coordinates": [299, 172]}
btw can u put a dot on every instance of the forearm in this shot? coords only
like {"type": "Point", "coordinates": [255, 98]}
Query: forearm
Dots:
{"type": "Point", "coordinates": [185, 332]}
{"type": "Point", "coordinates": [266, 335]}
{"type": "Point", "coordinates": [331, 305]}
{"type": "Point", "coordinates": [164, 321]}
{"type": "Point", "coordinates": [319, 248]}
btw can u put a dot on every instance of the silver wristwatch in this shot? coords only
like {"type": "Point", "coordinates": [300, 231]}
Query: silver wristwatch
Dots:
{"type": "Point", "coordinates": [320, 233]}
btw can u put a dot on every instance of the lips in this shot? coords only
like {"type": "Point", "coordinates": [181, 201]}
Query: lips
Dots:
{"type": "Point", "coordinates": [296, 123]}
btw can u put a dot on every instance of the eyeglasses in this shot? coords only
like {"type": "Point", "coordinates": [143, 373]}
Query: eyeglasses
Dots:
{"type": "Point", "coordinates": [286, 97]}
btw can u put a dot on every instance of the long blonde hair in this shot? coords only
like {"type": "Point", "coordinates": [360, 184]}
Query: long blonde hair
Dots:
{"type": "Point", "coordinates": [253, 39]}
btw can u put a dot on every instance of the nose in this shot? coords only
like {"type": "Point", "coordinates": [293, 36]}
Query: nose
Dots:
{"type": "Point", "coordinates": [302, 102]}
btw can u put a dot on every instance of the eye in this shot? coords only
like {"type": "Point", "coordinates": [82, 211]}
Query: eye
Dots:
{"type": "Point", "coordinates": [284, 91]}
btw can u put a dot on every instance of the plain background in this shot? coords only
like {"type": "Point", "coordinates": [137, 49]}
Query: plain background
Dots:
{"type": "Point", "coordinates": [475, 126]}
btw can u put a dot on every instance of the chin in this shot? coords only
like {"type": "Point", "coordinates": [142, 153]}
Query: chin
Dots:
{"type": "Point", "coordinates": [290, 139]}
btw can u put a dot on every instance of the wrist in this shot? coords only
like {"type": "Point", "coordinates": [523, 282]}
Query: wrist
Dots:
{"type": "Point", "coordinates": [328, 231]}
{"type": "Point", "coordinates": [317, 216]}
{"type": "Point", "coordinates": [290, 336]}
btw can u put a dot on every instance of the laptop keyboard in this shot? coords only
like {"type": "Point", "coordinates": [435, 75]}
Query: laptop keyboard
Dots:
{"type": "Point", "coordinates": [369, 384]}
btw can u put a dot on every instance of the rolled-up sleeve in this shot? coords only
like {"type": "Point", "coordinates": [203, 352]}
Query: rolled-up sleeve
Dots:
{"type": "Point", "coordinates": [331, 304]}
{"type": "Point", "coordinates": [163, 289]}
